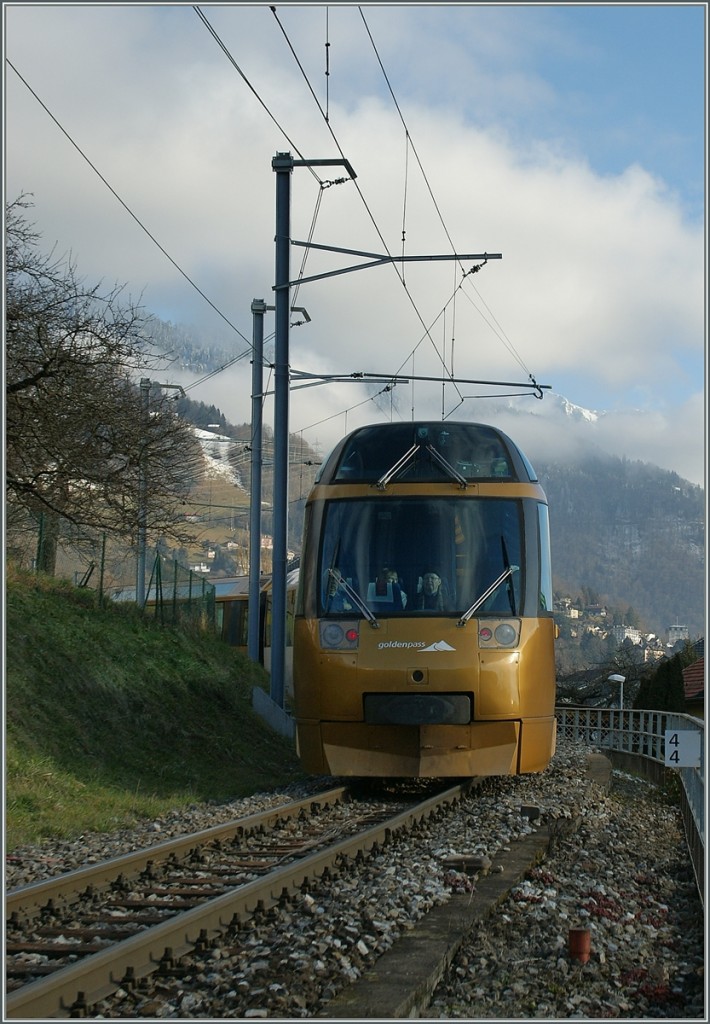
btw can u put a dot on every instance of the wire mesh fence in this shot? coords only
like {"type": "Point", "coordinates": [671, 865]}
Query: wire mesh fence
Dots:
{"type": "Point", "coordinates": [173, 594]}
{"type": "Point", "coordinates": [176, 593]}
{"type": "Point", "coordinates": [107, 566]}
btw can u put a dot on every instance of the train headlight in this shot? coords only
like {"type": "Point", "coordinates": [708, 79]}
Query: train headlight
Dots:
{"type": "Point", "coordinates": [505, 634]}
{"type": "Point", "coordinates": [339, 636]}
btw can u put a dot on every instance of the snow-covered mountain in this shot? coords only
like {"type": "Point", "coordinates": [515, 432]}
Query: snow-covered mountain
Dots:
{"type": "Point", "coordinates": [575, 412]}
{"type": "Point", "coordinates": [216, 449]}
{"type": "Point", "coordinates": [555, 428]}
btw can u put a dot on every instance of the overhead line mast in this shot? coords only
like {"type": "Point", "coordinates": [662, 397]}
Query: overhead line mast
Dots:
{"type": "Point", "coordinates": [283, 164]}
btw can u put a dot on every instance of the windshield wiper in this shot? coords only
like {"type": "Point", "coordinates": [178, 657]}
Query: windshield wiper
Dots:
{"type": "Point", "coordinates": [506, 563]}
{"type": "Point", "coordinates": [399, 465]}
{"type": "Point", "coordinates": [453, 473]}
{"type": "Point", "coordinates": [407, 458]}
{"type": "Point", "coordinates": [354, 596]}
{"type": "Point", "coordinates": [493, 587]}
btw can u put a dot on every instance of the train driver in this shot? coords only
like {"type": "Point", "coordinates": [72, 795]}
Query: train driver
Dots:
{"type": "Point", "coordinates": [431, 595]}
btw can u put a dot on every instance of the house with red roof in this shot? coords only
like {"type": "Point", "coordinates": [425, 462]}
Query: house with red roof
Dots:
{"type": "Point", "coordinates": [694, 687]}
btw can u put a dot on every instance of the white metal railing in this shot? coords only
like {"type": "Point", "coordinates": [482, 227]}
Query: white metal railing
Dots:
{"type": "Point", "coordinates": [643, 733]}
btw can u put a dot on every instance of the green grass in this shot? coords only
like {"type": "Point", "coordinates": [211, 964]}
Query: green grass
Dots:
{"type": "Point", "coordinates": [111, 717]}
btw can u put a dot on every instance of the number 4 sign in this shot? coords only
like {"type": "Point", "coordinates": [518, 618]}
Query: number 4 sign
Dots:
{"type": "Point", "coordinates": [682, 748]}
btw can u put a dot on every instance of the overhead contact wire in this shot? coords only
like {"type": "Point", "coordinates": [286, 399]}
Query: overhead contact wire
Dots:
{"type": "Point", "coordinates": [498, 330]}
{"type": "Point", "coordinates": [357, 185]}
{"type": "Point", "coordinates": [232, 61]}
{"type": "Point", "coordinates": [125, 206]}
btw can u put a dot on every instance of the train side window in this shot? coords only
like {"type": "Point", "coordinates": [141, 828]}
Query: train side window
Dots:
{"type": "Point", "coordinates": [545, 558]}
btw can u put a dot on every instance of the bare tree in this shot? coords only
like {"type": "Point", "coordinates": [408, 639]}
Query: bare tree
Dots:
{"type": "Point", "coordinates": [79, 439]}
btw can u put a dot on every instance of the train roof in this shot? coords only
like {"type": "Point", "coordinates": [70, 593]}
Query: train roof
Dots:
{"type": "Point", "coordinates": [426, 451]}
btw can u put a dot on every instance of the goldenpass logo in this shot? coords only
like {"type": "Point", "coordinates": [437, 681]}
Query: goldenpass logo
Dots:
{"type": "Point", "coordinates": [417, 645]}
{"type": "Point", "coordinates": [402, 644]}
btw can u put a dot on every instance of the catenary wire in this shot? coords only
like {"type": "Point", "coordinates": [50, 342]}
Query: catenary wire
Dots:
{"type": "Point", "coordinates": [127, 208]}
{"type": "Point", "coordinates": [215, 35]}
{"type": "Point", "coordinates": [399, 273]}
{"type": "Point", "coordinates": [498, 330]}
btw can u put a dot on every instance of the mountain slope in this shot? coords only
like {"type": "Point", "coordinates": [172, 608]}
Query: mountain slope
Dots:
{"type": "Point", "coordinates": [631, 532]}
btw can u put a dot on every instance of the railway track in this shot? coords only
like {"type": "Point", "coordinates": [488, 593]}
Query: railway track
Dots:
{"type": "Point", "coordinates": [72, 941]}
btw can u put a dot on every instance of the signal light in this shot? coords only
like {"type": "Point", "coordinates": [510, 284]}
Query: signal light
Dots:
{"type": "Point", "coordinates": [499, 634]}
{"type": "Point", "coordinates": [339, 636]}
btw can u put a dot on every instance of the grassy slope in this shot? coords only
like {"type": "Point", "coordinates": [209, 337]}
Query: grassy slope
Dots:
{"type": "Point", "coordinates": [110, 718]}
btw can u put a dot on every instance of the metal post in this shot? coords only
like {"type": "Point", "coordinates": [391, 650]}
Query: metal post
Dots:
{"type": "Point", "coordinates": [102, 570]}
{"type": "Point", "coordinates": [140, 572]}
{"type": "Point", "coordinates": [258, 308]}
{"type": "Point", "coordinates": [282, 164]}
{"type": "Point", "coordinates": [40, 544]}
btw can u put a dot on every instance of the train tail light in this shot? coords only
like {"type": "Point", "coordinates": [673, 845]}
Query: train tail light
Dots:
{"type": "Point", "coordinates": [339, 636]}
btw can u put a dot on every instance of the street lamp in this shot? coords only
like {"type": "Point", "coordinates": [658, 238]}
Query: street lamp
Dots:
{"type": "Point", "coordinates": [620, 680]}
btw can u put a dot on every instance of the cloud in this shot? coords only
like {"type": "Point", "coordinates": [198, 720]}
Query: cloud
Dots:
{"type": "Point", "coordinates": [600, 291]}
{"type": "Point", "coordinates": [671, 438]}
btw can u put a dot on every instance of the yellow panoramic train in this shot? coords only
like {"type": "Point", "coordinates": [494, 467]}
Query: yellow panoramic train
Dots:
{"type": "Point", "coordinates": [423, 629]}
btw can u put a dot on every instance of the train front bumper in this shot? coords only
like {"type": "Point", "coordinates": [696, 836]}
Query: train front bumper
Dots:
{"type": "Point", "coordinates": [427, 751]}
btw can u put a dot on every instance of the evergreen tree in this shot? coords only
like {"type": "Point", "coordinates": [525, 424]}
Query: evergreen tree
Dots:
{"type": "Point", "coordinates": [663, 689]}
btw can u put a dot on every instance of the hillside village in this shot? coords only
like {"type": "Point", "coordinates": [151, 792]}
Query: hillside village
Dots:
{"type": "Point", "coordinates": [578, 620]}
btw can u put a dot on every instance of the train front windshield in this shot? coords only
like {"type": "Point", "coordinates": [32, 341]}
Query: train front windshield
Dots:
{"type": "Point", "coordinates": [415, 556]}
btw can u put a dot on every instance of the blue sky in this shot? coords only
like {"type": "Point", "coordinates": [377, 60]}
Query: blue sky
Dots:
{"type": "Point", "coordinates": [570, 138]}
{"type": "Point", "coordinates": [637, 85]}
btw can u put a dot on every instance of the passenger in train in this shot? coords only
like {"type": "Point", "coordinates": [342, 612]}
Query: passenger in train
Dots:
{"type": "Point", "coordinates": [337, 599]}
{"type": "Point", "coordinates": [386, 591]}
{"type": "Point", "coordinates": [431, 594]}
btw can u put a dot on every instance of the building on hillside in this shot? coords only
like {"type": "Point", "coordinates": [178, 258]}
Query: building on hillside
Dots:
{"type": "Point", "coordinates": [565, 607]}
{"type": "Point", "coordinates": [653, 649]}
{"type": "Point", "coordinates": [694, 688]}
{"type": "Point", "coordinates": [676, 633]}
{"type": "Point", "coordinates": [621, 633]}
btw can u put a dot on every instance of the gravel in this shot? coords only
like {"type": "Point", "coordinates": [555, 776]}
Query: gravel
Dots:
{"type": "Point", "coordinates": [624, 874]}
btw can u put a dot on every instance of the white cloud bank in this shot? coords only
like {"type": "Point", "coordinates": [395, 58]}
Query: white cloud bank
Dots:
{"type": "Point", "coordinates": [600, 291]}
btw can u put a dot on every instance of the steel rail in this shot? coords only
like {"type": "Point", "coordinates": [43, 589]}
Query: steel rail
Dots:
{"type": "Point", "coordinates": [30, 899]}
{"type": "Point", "coordinates": [72, 989]}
